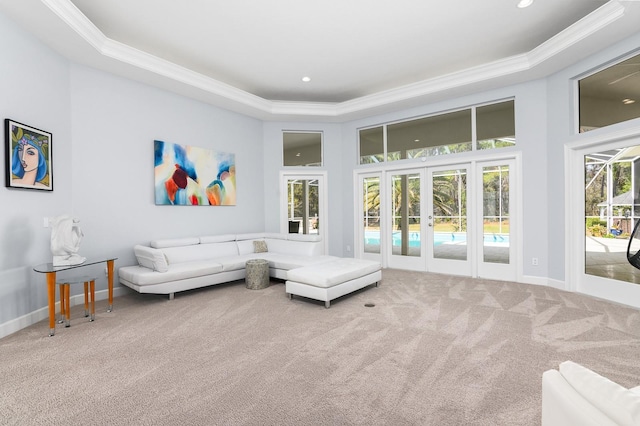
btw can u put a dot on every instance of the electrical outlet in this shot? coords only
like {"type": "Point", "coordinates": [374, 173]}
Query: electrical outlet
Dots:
{"type": "Point", "coordinates": [348, 248]}
{"type": "Point", "coordinates": [534, 261]}
{"type": "Point", "coordinates": [45, 223]}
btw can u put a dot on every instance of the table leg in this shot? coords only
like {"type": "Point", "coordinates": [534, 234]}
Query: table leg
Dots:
{"type": "Point", "coordinates": [86, 299]}
{"type": "Point", "coordinates": [93, 300]}
{"type": "Point", "coordinates": [51, 289]}
{"type": "Point", "coordinates": [110, 281]}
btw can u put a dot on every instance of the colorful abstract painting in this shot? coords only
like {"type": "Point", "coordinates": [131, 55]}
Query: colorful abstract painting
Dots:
{"type": "Point", "coordinates": [191, 176]}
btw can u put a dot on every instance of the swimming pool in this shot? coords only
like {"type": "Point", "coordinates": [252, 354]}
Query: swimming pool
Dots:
{"type": "Point", "coordinates": [373, 238]}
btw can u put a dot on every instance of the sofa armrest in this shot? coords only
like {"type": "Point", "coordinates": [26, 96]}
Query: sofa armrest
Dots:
{"type": "Point", "coordinates": [562, 405]}
{"type": "Point", "coordinates": [151, 258]}
{"type": "Point", "coordinates": [615, 401]}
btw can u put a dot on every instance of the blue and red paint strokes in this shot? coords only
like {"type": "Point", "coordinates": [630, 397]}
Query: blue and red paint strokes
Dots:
{"type": "Point", "coordinates": [186, 175]}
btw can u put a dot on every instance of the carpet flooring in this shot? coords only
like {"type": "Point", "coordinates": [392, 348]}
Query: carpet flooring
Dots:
{"type": "Point", "coordinates": [434, 350]}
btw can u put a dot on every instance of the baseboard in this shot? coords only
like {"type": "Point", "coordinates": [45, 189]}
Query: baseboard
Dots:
{"type": "Point", "coordinates": [38, 315]}
{"type": "Point", "coordinates": [549, 282]}
{"type": "Point", "coordinates": [560, 285]}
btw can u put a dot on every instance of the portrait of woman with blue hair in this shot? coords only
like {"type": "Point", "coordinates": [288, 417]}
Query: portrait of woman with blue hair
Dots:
{"type": "Point", "coordinates": [29, 159]}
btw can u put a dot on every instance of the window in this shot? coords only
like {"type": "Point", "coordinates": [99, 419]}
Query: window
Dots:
{"type": "Point", "coordinates": [441, 134]}
{"type": "Point", "coordinates": [436, 135]}
{"type": "Point", "coordinates": [610, 96]}
{"type": "Point", "coordinates": [372, 145]}
{"type": "Point", "coordinates": [302, 148]}
{"type": "Point", "coordinates": [495, 125]}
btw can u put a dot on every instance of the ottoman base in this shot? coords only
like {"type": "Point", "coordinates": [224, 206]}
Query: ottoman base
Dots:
{"type": "Point", "coordinates": [333, 291]}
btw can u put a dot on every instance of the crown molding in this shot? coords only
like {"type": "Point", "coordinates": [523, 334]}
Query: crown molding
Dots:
{"type": "Point", "coordinates": [587, 26]}
{"type": "Point", "coordinates": [263, 108]}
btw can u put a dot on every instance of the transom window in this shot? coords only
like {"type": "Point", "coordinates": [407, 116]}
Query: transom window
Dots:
{"type": "Point", "coordinates": [479, 127]}
{"type": "Point", "coordinates": [611, 95]}
{"type": "Point", "coordinates": [302, 148]}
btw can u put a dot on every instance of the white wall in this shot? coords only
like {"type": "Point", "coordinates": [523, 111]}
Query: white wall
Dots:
{"type": "Point", "coordinates": [34, 90]}
{"type": "Point", "coordinates": [103, 131]}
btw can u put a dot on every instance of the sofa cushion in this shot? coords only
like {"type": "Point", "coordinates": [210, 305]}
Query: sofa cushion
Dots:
{"type": "Point", "coordinates": [617, 402]}
{"type": "Point", "coordinates": [217, 238]}
{"type": "Point", "coordinates": [287, 262]}
{"type": "Point", "coordinates": [144, 276]}
{"type": "Point", "coordinates": [295, 248]}
{"type": "Point", "coordinates": [248, 246]}
{"type": "Point", "coordinates": [275, 236]}
{"type": "Point", "coordinates": [234, 263]}
{"type": "Point", "coordinates": [336, 272]}
{"type": "Point", "coordinates": [151, 258]}
{"type": "Point", "coordinates": [200, 252]}
{"type": "Point", "coordinates": [175, 242]}
{"type": "Point", "coordinates": [251, 236]}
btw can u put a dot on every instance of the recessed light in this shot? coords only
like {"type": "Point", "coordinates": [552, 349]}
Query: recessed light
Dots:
{"type": "Point", "coordinates": [524, 3]}
{"type": "Point", "coordinates": [628, 101]}
{"type": "Point", "coordinates": [306, 79]}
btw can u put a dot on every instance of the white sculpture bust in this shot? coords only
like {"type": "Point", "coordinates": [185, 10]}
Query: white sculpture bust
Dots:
{"type": "Point", "coordinates": [65, 240]}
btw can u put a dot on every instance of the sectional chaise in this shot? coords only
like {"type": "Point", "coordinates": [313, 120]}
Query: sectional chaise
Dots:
{"type": "Point", "coordinates": [174, 265]}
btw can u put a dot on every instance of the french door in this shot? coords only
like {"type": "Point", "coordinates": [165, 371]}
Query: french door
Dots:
{"type": "Point", "coordinates": [405, 230]}
{"type": "Point", "coordinates": [453, 219]}
{"type": "Point", "coordinates": [448, 224]}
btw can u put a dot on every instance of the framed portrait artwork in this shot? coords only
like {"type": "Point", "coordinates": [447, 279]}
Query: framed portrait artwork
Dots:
{"type": "Point", "coordinates": [29, 160]}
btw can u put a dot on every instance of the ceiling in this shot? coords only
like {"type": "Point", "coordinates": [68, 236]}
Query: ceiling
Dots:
{"type": "Point", "coordinates": [363, 57]}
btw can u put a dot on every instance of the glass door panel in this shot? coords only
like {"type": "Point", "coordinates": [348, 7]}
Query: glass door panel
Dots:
{"type": "Point", "coordinates": [371, 214]}
{"type": "Point", "coordinates": [612, 208]}
{"type": "Point", "coordinates": [495, 214]}
{"type": "Point", "coordinates": [448, 221]}
{"type": "Point", "coordinates": [303, 206]}
{"type": "Point", "coordinates": [496, 234]}
{"type": "Point", "coordinates": [406, 224]}
{"type": "Point", "coordinates": [449, 198]}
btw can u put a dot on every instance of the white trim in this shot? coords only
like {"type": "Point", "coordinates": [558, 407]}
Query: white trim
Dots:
{"type": "Point", "coordinates": [553, 48]}
{"type": "Point", "coordinates": [38, 315]}
{"type": "Point", "coordinates": [575, 277]}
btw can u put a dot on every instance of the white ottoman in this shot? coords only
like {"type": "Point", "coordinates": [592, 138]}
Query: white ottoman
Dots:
{"type": "Point", "coordinates": [330, 280]}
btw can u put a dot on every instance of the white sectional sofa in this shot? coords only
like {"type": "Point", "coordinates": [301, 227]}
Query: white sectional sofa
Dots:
{"type": "Point", "coordinates": [575, 395]}
{"type": "Point", "coordinates": [174, 265]}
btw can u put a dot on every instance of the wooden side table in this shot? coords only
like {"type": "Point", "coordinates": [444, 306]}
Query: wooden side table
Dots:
{"type": "Point", "coordinates": [257, 276]}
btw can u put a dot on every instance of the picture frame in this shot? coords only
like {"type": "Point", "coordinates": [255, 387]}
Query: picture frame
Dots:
{"type": "Point", "coordinates": [29, 159]}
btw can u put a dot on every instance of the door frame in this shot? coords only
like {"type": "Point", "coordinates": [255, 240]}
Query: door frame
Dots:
{"type": "Point", "coordinates": [323, 208]}
{"type": "Point", "coordinates": [575, 277]}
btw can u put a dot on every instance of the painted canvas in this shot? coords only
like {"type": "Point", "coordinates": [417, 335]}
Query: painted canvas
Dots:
{"type": "Point", "coordinates": [29, 163]}
{"type": "Point", "coordinates": [191, 176]}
